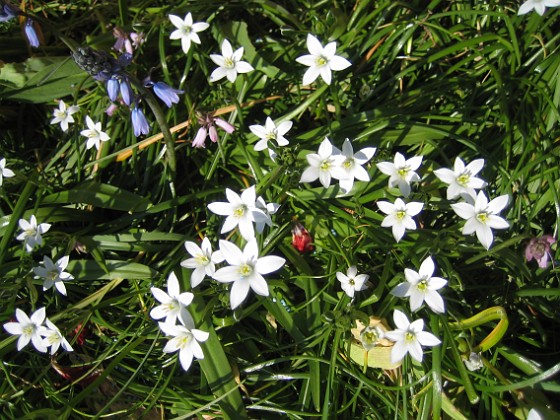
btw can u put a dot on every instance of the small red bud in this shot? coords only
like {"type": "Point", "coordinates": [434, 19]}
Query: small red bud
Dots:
{"type": "Point", "coordinates": [301, 238]}
{"type": "Point", "coordinates": [82, 332]}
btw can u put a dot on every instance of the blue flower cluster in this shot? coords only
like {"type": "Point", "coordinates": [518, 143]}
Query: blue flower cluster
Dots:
{"type": "Point", "coordinates": [104, 67]}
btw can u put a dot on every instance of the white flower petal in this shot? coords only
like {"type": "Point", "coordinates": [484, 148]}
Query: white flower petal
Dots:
{"type": "Point", "coordinates": [239, 292]}
{"type": "Point", "coordinates": [269, 264]}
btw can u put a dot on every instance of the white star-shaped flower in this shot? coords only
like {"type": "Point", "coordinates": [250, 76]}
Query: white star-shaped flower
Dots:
{"type": "Point", "coordinates": [32, 232]}
{"type": "Point", "coordinates": [173, 303]}
{"type": "Point", "coordinates": [54, 274]}
{"type": "Point", "coordinates": [186, 30]}
{"type": "Point", "coordinates": [28, 329]}
{"type": "Point", "coordinates": [462, 180]}
{"type": "Point", "coordinates": [53, 338]}
{"type": "Point", "coordinates": [539, 6]}
{"type": "Point", "coordinates": [267, 209]}
{"type": "Point", "coordinates": [409, 337]}
{"type": "Point", "coordinates": [4, 172]}
{"type": "Point", "coordinates": [352, 282]}
{"type": "Point", "coordinates": [186, 340]}
{"type": "Point", "coordinates": [352, 165]}
{"type": "Point", "coordinates": [324, 165]}
{"type": "Point", "coordinates": [482, 217]}
{"type": "Point", "coordinates": [203, 260]}
{"type": "Point", "coordinates": [401, 172]}
{"type": "Point", "coordinates": [229, 63]}
{"type": "Point", "coordinates": [399, 216]}
{"type": "Point", "coordinates": [321, 61]}
{"type": "Point", "coordinates": [271, 132]}
{"type": "Point", "coordinates": [421, 286]}
{"type": "Point", "coordinates": [63, 115]}
{"type": "Point", "coordinates": [246, 270]}
{"type": "Point", "coordinates": [240, 211]}
{"type": "Point", "coordinates": [95, 135]}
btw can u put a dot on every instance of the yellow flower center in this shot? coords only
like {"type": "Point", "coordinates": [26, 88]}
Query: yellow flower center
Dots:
{"type": "Point", "coordinates": [403, 171]}
{"type": "Point", "coordinates": [321, 61]}
{"type": "Point", "coordinates": [400, 214]}
{"type": "Point", "coordinates": [422, 285]}
{"type": "Point", "coordinates": [202, 259]}
{"type": "Point", "coordinates": [369, 337]}
{"type": "Point", "coordinates": [409, 337]}
{"type": "Point", "coordinates": [245, 270]}
{"type": "Point", "coordinates": [325, 165]}
{"type": "Point", "coordinates": [28, 329]}
{"type": "Point", "coordinates": [464, 179]}
{"type": "Point", "coordinates": [240, 211]}
{"type": "Point", "coordinates": [171, 306]}
{"type": "Point", "coordinates": [229, 63]}
{"type": "Point", "coordinates": [53, 338]}
{"type": "Point", "coordinates": [482, 217]}
{"type": "Point", "coordinates": [183, 340]}
{"type": "Point", "coordinates": [348, 163]}
{"type": "Point", "coordinates": [351, 282]}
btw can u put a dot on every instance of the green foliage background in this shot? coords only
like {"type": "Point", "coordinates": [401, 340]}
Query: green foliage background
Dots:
{"type": "Point", "coordinates": [434, 78]}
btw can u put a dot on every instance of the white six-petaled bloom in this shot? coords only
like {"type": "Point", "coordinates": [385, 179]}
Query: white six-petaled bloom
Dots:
{"type": "Point", "coordinates": [173, 303]}
{"type": "Point", "coordinates": [186, 340]}
{"type": "Point", "coordinates": [271, 132]}
{"type": "Point", "coordinates": [409, 337]}
{"type": "Point", "coordinates": [421, 286]}
{"type": "Point", "coordinates": [482, 217]}
{"type": "Point", "coordinates": [267, 209]}
{"type": "Point", "coordinates": [53, 338]}
{"type": "Point", "coordinates": [32, 232]}
{"type": "Point", "coordinates": [399, 216]}
{"type": "Point", "coordinates": [352, 165]}
{"type": "Point", "coordinates": [401, 172]}
{"type": "Point", "coordinates": [63, 115]}
{"type": "Point", "coordinates": [229, 63]}
{"type": "Point", "coordinates": [4, 172]}
{"type": "Point", "coordinates": [321, 61]}
{"type": "Point", "coordinates": [28, 329]}
{"type": "Point", "coordinates": [95, 134]}
{"type": "Point", "coordinates": [240, 210]}
{"type": "Point", "coordinates": [539, 6]}
{"type": "Point", "coordinates": [54, 274]}
{"type": "Point", "coordinates": [246, 270]}
{"type": "Point", "coordinates": [323, 165]}
{"type": "Point", "coordinates": [203, 260]}
{"type": "Point", "coordinates": [186, 30]}
{"type": "Point", "coordinates": [352, 282]}
{"type": "Point", "coordinates": [462, 179]}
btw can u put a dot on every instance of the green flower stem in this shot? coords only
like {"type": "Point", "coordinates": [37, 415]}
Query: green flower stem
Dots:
{"type": "Point", "coordinates": [164, 127]}
{"type": "Point", "coordinates": [216, 367]}
{"type": "Point", "coordinates": [465, 380]}
{"type": "Point", "coordinates": [437, 386]}
{"type": "Point", "coordinates": [27, 192]}
{"type": "Point", "coordinates": [494, 313]}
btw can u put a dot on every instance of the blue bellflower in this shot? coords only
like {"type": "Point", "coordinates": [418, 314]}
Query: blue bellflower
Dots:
{"type": "Point", "coordinates": [164, 92]}
{"type": "Point", "coordinates": [7, 12]}
{"type": "Point", "coordinates": [139, 122]}
{"type": "Point", "coordinates": [31, 33]}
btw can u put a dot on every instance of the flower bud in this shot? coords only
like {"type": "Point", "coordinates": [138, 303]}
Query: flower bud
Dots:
{"type": "Point", "coordinates": [301, 238]}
